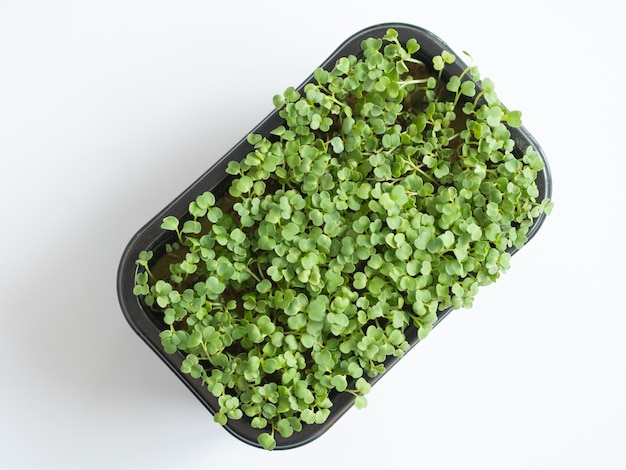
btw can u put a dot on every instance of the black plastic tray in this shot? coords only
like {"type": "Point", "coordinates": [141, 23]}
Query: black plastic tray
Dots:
{"type": "Point", "coordinates": [151, 237]}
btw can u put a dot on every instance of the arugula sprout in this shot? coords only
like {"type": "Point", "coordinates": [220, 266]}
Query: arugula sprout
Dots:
{"type": "Point", "coordinates": [388, 194]}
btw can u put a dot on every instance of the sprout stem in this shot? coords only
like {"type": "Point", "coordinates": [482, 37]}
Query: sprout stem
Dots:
{"type": "Point", "coordinates": [256, 278]}
{"type": "Point", "coordinates": [415, 61]}
{"type": "Point", "coordinates": [416, 81]}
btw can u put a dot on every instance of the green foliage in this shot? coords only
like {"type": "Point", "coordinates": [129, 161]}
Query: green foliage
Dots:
{"type": "Point", "coordinates": [390, 193]}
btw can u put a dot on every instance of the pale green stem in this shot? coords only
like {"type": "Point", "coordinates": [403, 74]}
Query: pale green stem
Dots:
{"type": "Point", "coordinates": [416, 81]}
{"type": "Point", "coordinates": [415, 61]}
{"type": "Point", "coordinates": [256, 278]}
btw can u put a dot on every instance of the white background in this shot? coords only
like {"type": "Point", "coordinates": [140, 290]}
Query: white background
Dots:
{"type": "Point", "coordinates": [109, 109]}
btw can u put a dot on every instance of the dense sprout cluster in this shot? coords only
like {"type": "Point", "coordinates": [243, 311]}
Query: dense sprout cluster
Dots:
{"type": "Point", "coordinates": [389, 194]}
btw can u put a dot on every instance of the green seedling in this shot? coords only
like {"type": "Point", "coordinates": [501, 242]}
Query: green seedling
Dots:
{"type": "Point", "coordinates": [389, 193]}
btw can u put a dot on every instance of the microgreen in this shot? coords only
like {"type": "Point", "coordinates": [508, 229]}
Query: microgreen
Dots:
{"type": "Point", "coordinates": [390, 192]}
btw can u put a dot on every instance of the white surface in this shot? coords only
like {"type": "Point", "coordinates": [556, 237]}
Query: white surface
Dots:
{"type": "Point", "coordinates": [110, 109]}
